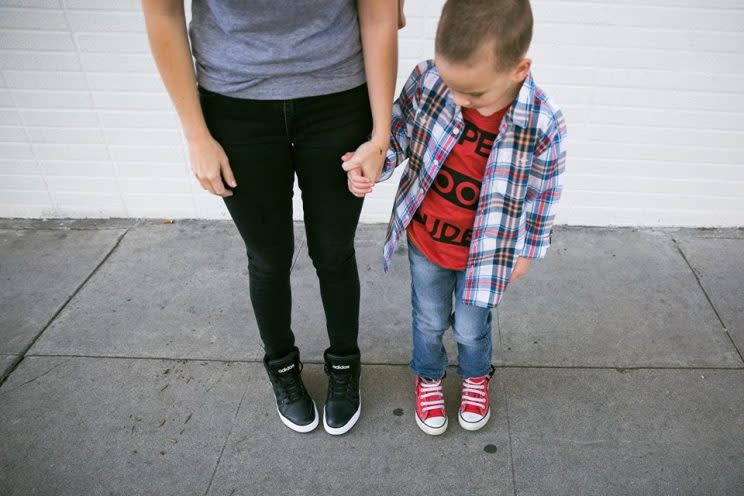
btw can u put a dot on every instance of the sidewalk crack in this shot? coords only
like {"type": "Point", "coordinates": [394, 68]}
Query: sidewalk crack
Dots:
{"type": "Point", "coordinates": [498, 328]}
{"type": "Point", "coordinates": [707, 296]}
{"type": "Point", "coordinates": [227, 438]}
{"type": "Point", "coordinates": [6, 391]}
{"type": "Point", "coordinates": [297, 253]}
{"type": "Point", "coordinates": [64, 304]}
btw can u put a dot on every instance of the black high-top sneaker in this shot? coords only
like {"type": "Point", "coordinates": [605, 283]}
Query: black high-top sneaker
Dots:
{"type": "Point", "coordinates": [343, 405]}
{"type": "Point", "coordinates": [296, 408]}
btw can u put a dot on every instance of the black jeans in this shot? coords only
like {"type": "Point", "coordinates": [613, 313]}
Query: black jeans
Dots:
{"type": "Point", "coordinates": [267, 142]}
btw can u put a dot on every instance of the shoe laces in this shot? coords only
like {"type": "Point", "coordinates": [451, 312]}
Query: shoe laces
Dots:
{"type": "Point", "coordinates": [341, 384]}
{"type": "Point", "coordinates": [430, 395]}
{"type": "Point", "coordinates": [475, 393]}
{"type": "Point", "coordinates": [292, 388]}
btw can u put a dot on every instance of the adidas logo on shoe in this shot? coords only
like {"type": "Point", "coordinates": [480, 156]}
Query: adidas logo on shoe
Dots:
{"type": "Point", "coordinates": [286, 369]}
{"type": "Point", "coordinates": [341, 367]}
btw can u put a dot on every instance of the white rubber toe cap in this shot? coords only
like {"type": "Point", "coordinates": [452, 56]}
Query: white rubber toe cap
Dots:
{"type": "Point", "coordinates": [433, 425]}
{"type": "Point", "coordinates": [472, 421]}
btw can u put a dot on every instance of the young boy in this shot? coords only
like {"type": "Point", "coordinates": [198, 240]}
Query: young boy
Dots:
{"type": "Point", "coordinates": [485, 150]}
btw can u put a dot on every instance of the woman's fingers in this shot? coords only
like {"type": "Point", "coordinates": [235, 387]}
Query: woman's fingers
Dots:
{"type": "Point", "coordinates": [211, 166]}
{"type": "Point", "coordinates": [353, 190]}
{"type": "Point", "coordinates": [358, 184]}
{"type": "Point", "coordinates": [356, 177]}
{"type": "Point", "coordinates": [219, 187]}
{"type": "Point", "coordinates": [206, 185]}
{"type": "Point", "coordinates": [227, 173]}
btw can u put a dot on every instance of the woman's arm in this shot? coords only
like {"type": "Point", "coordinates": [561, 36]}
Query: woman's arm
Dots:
{"type": "Point", "coordinates": [401, 14]}
{"type": "Point", "coordinates": [166, 29]}
{"type": "Point", "coordinates": [378, 21]}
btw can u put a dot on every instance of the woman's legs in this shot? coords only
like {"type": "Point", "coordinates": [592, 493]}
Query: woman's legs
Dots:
{"type": "Point", "coordinates": [267, 142]}
{"type": "Point", "coordinates": [253, 135]}
{"type": "Point", "coordinates": [322, 129]}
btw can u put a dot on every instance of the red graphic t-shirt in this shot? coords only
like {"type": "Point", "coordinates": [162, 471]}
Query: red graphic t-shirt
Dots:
{"type": "Point", "coordinates": [442, 227]}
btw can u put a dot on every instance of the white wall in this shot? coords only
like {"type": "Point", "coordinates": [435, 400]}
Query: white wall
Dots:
{"type": "Point", "coordinates": [653, 92]}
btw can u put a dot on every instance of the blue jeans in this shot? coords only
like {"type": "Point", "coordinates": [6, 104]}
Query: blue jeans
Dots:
{"type": "Point", "coordinates": [432, 288]}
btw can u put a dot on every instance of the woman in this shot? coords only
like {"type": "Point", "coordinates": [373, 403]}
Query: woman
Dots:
{"type": "Point", "coordinates": [282, 91]}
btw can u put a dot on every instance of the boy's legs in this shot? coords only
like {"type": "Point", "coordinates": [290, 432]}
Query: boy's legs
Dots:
{"type": "Point", "coordinates": [431, 301]}
{"type": "Point", "coordinates": [472, 331]}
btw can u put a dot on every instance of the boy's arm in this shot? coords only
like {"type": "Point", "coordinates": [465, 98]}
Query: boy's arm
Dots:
{"type": "Point", "coordinates": [401, 128]}
{"type": "Point", "coordinates": [546, 177]}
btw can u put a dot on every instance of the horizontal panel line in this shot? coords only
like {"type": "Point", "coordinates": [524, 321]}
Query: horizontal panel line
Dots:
{"type": "Point", "coordinates": [685, 196]}
{"type": "Point", "coordinates": [661, 179]}
{"type": "Point", "coordinates": [681, 71]}
{"type": "Point", "coordinates": [713, 30]}
{"type": "Point", "coordinates": [660, 161]}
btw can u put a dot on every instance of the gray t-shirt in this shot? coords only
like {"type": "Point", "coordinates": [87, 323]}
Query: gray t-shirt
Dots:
{"type": "Point", "coordinates": [276, 49]}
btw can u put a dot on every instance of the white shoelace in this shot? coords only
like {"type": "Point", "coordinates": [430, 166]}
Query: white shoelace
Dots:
{"type": "Point", "coordinates": [470, 388]}
{"type": "Point", "coordinates": [429, 390]}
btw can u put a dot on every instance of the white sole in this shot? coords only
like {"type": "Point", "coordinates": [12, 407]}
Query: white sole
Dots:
{"type": "Point", "coordinates": [337, 431]}
{"type": "Point", "coordinates": [300, 428]}
{"type": "Point", "coordinates": [473, 426]}
{"type": "Point", "coordinates": [432, 431]}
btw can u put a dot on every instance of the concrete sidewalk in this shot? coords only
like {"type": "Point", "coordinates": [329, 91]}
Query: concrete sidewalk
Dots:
{"type": "Point", "coordinates": [133, 368]}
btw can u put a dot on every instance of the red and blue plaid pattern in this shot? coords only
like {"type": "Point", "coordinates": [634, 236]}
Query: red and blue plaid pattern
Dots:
{"type": "Point", "coordinates": [521, 186]}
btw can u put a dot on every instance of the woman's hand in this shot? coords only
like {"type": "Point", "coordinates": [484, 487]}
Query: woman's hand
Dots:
{"type": "Point", "coordinates": [521, 267]}
{"type": "Point", "coordinates": [363, 167]}
{"type": "Point", "coordinates": [210, 166]}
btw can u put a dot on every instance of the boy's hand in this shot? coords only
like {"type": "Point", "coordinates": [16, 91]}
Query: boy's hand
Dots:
{"type": "Point", "coordinates": [359, 185]}
{"type": "Point", "coordinates": [520, 268]}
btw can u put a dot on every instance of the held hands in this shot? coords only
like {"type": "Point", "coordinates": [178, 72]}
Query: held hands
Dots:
{"type": "Point", "coordinates": [210, 166]}
{"type": "Point", "coordinates": [520, 268]}
{"type": "Point", "coordinates": [363, 166]}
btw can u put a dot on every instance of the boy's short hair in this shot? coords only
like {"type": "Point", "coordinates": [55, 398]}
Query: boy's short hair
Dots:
{"type": "Point", "coordinates": [466, 24]}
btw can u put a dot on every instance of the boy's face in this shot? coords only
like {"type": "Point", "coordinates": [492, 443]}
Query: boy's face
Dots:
{"type": "Point", "coordinates": [478, 83]}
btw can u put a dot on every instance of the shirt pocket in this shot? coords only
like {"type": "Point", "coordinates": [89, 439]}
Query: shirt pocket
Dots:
{"type": "Point", "coordinates": [530, 194]}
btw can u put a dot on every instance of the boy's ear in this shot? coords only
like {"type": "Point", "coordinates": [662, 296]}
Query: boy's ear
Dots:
{"type": "Point", "coordinates": [521, 70]}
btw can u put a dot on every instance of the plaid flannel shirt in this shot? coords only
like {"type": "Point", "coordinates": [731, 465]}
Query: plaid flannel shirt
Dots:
{"type": "Point", "coordinates": [521, 185]}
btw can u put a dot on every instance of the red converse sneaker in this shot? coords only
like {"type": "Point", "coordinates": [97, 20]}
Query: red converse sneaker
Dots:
{"type": "Point", "coordinates": [430, 414]}
{"type": "Point", "coordinates": [474, 407]}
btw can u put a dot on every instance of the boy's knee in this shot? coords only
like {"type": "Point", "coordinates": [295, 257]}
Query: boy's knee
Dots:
{"type": "Point", "coordinates": [471, 333]}
{"type": "Point", "coordinates": [431, 322]}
